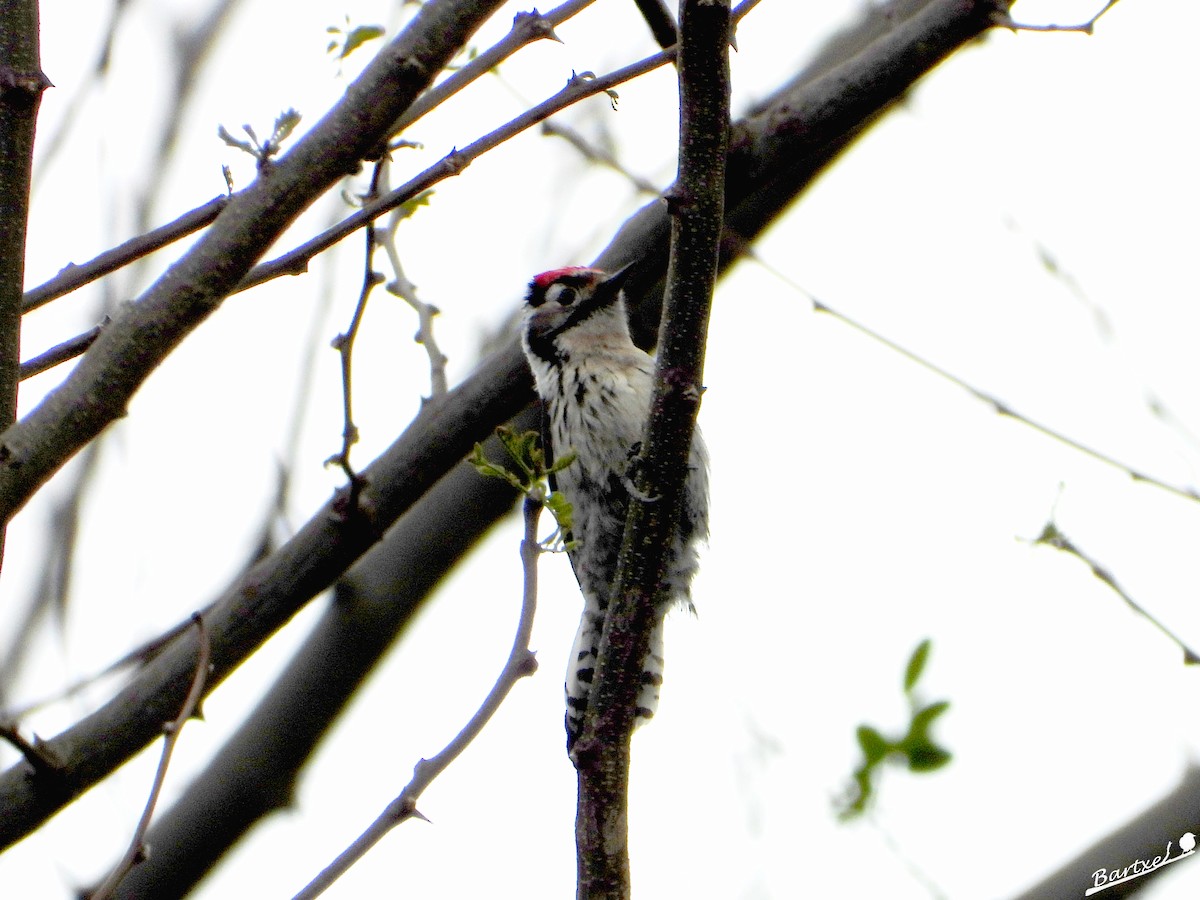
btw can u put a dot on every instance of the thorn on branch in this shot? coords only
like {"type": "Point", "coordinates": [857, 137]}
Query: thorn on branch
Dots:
{"type": "Point", "coordinates": [29, 83]}
{"type": "Point", "coordinates": [533, 26]}
{"type": "Point", "coordinates": [37, 753]}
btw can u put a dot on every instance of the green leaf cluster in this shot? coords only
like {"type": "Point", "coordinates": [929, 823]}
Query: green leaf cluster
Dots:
{"type": "Point", "coordinates": [915, 748]}
{"type": "Point", "coordinates": [530, 477]}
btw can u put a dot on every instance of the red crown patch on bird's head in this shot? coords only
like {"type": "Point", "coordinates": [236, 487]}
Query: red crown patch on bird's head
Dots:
{"type": "Point", "coordinates": [548, 278]}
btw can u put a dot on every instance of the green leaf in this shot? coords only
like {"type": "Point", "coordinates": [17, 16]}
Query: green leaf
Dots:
{"type": "Point", "coordinates": [524, 450]}
{"type": "Point", "coordinates": [916, 665]}
{"type": "Point", "coordinates": [874, 745]}
{"type": "Point", "coordinates": [927, 758]}
{"type": "Point", "coordinates": [358, 36]}
{"type": "Point", "coordinates": [409, 207]}
{"type": "Point", "coordinates": [563, 461]}
{"type": "Point", "coordinates": [560, 509]}
{"type": "Point", "coordinates": [489, 469]}
{"type": "Point", "coordinates": [859, 795]}
{"type": "Point", "coordinates": [924, 718]}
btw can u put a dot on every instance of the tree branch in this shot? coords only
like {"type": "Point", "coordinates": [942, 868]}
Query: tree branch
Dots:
{"type": "Point", "coordinates": [295, 262]}
{"type": "Point", "coordinates": [370, 608]}
{"type": "Point", "coordinates": [268, 595]}
{"type": "Point", "coordinates": [144, 332]}
{"type": "Point", "coordinates": [73, 277]}
{"type": "Point", "coordinates": [60, 353]}
{"type": "Point", "coordinates": [521, 663]}
{"type": "Point", "coordinates": [696, 203]}
{"type": "Point", "coordinates": [137, 847]}
{"type": "Point", "coordinates": [658, 18]}
{"type": "Point", "coordinates": [21, 85]}
{"type": "Point", "coordinates": [771, 158]}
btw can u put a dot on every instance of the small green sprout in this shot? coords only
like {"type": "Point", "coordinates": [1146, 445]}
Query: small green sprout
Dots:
{"type": "Point", "coordinates": [916, 748]}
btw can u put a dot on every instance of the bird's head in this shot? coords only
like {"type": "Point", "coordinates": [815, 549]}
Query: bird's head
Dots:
{"type": "Point", "coordinates": [567, 309]}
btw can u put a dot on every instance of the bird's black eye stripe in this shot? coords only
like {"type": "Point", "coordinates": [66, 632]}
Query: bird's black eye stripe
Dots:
{"type": "Point", "coordinates": [564, 290]}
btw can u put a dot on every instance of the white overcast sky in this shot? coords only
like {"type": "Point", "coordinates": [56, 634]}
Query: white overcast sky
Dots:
{"type": "Point", "coordinates": [860, 502]}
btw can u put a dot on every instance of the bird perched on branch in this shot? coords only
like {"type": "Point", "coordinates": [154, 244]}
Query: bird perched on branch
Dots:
{"type": "Point", "coordinates": [596, 387]}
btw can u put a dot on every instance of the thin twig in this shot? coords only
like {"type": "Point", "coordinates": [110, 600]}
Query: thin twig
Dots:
{"type": "Point", "coordinates": [52, 592]}
{"type": "Point", "coordinates": [401, 287]}
{"type": "Point", "coordinates": [295, 262]}
{"type": "Point", "coordinates": [998, 405]}
{"type": "Point", "coordinates": [521, 663]}
{"type": "Point", "coordinates": [263, 599]}
{"type": "Point", "coordinates": [527, 28]}
{"type": "Point", "coordinates": [139, 655]}
{"type": "Point", "coordinates": [137, 850]}
{"type": "Point", "coordinates": [1051, 536]}
{"type": "Point", "coordinates": [344, 344]}
{"type": "Point", "coordinates": [1004, 20]}
{"type": "Point", "coordinates": [145, 332]}
{"type": "Point", "coordinates": [74, 276]}
{"type": "Point", "coordinates": [67, 350]}
{"type": "Point", "coordinates": [592, 153]}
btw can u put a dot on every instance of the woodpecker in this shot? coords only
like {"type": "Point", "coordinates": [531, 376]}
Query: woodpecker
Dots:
{"type": "Point", "coordinates": [596, 387]}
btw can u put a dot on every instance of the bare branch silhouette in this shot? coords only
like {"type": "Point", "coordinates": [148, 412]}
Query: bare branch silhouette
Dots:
{"type": "Point", "coordinates": [191, 704]}
{"type": "Point", "coordinates": [143, 333]}
{"type": "Point", "coordinates": [696, 203]}
{"type": "Point", "coordinates": [772, 158]}
{"type": "Point", "coordinates": [521, 663]}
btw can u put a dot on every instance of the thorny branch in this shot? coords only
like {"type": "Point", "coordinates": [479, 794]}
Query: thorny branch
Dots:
{"type": "Point", "coordinates": [295, 262]}
{"type": "Point", "coordinates": [191, 705]}
{"type": "Point", "coordinates": [21, 85]}
{"type": "Point", "coordinates": [42, 761]}
{"type": "Point", "coordinates": [999, 406]}
{"type": "Point", "coordinates": [1052, 536]}
{"type": "Point", "coordinates": [344, 344]}
{"type": "Point", "coordinates": [401, 287]}
{"type": "Point", "coordinates": [60, 353]}
{"type": "Point", "coordinates": [520, 664]}
{"type": "Point", "coordinates": [696, 203]}
{"type": "Point", "coordinates": [73, 277]}
{"type": "Point", "coordinates": [772, 151]}
{"type": "Point", "coordinates": [527, 28]}
{"type": "Point", "coordinates": [145, 332]}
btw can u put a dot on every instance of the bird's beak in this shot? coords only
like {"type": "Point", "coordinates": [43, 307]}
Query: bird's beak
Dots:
{"type": "Point", "coordinates": [616, 281]}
